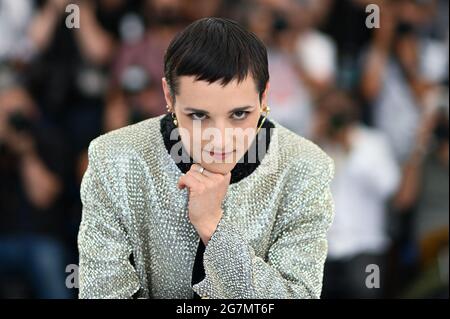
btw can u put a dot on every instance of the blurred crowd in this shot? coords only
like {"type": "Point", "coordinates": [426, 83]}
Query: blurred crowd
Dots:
{"type": "Point", "coordinates": [375, 99]}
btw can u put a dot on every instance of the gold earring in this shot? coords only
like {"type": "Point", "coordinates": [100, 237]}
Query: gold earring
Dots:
{"type": "Point", "coordinates": [267, 111]}
{"type": "Point", "coordinates": [174, 118]}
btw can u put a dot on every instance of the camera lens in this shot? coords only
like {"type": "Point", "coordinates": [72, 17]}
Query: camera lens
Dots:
{"type": "Point", "coordinates": [19, 122]}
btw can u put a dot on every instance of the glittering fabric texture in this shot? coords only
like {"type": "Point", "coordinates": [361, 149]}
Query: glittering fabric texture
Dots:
{"type": "Point", "coordinates": [135, 238]}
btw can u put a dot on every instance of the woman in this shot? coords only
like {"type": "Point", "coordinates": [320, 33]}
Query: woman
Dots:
{"type": "Point", "coordinates": [212, 200]}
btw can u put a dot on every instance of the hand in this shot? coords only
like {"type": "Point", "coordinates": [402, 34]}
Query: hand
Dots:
{"type": "Point", "coordinates": [384, 35]}
{"type": "Point", "coordinates": [87, 6]}
{"type": "Point", "coordinates": [424, 134]}
{"type": "Point", "coordinates": [20, 143]}
{"type": "Point", "coordinates": [58, 5]}
{"type": "Point", "coordinates": [206, 193]}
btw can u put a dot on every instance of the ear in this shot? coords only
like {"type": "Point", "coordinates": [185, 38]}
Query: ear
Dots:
{"type": "Point", "coordinates": [167, 95]}
{"type": "Point", "coordinates": [264, 97]}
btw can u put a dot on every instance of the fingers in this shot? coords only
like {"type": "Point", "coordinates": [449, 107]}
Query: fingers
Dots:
{"type": "Point", "coordinates": [189, 181]}
{"type": "Point", "coordinates": [207, 177]}
{"type": "Point", "coordinates": [197, 168]}
{"type": "Point", "coordinates": [197, 181]}
{"type": "Point", "coordinates": [204, 176]}
{"type": "Point", "coordinates": [200, 177]}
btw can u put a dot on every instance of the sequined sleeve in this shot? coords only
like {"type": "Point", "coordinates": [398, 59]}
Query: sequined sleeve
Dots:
{"type": "Point", "coordinates": [105, 270]}
{"type": "Point", "coordinates": [293, 267]}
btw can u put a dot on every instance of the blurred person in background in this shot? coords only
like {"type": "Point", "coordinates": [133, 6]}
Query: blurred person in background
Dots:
{"type": "Point", "coordinates": [74, 63]}
{"type": "Point", "coordinates": [68, 74]}
{"type": "Point", "coordinates": [15, 16]}
{"type": "Point", "coordinates": [423, 195]}
{"type": "Point", "coordinates": [135, 92]}
{"type": "Point", "coordinates": [32, 219]}
{"type": "Point", "coordinates": [66, 55]}
{"type": "Point", "coordinates": [301, 59]}
{"type": "Point", "coordinates": [367, 175]}
{"type": "Point", "coordinates": [345, 25]}
{"type": "Point", "coordinates": [401, 65]}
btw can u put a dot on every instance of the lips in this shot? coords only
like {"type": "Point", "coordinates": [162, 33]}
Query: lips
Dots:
{"type": "Point", "coordinates": [219, 155]}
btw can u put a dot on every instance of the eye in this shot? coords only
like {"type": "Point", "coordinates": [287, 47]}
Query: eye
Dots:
{"type": "Point", "coordinates": [240, 115]}
{"type": "Point", "coordinates": [198, 116]}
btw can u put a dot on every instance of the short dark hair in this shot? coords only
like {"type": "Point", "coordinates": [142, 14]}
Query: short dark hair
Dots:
{"type": "Point", "coordinates": [213, 49]}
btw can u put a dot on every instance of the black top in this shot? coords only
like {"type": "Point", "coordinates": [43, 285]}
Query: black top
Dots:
{"type": "Point", "coordinates": [240, 171]}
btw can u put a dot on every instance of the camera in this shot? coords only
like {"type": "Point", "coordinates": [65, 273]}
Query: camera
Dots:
{"type": "Point", "coordinates": [19, 122]}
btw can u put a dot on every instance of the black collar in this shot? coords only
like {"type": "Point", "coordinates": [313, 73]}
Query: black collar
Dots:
{"type": "Point", "coordinates": [241, 170]}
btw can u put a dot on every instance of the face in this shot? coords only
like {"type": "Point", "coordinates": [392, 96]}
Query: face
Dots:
{"type": "Point", "coordinates": [217, 123]}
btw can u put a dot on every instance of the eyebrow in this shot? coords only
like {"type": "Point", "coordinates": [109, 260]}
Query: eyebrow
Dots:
{"type": "Point", "coordinates": [236, 109]}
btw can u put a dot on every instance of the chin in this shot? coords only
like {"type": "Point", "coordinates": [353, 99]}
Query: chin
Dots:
{"type": "Point", "coordinates": [219, 168]}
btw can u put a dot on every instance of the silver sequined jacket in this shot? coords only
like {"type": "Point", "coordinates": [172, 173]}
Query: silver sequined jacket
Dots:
{"type": "Point", "coordinates": [135, 238]}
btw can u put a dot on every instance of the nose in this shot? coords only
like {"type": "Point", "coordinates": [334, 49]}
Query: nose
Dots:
{"type": "Point", "coordinates": [222, 140]}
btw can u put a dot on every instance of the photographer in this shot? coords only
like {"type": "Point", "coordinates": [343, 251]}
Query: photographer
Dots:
{"type": "Point", "coordinates": [422, 202]}
{"type": "Point", "coordinates": [402, 64]}
{"type": "Point", "coordinates": [366, 176]}
{"type": "Point", "coordinates": [31, 203]}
